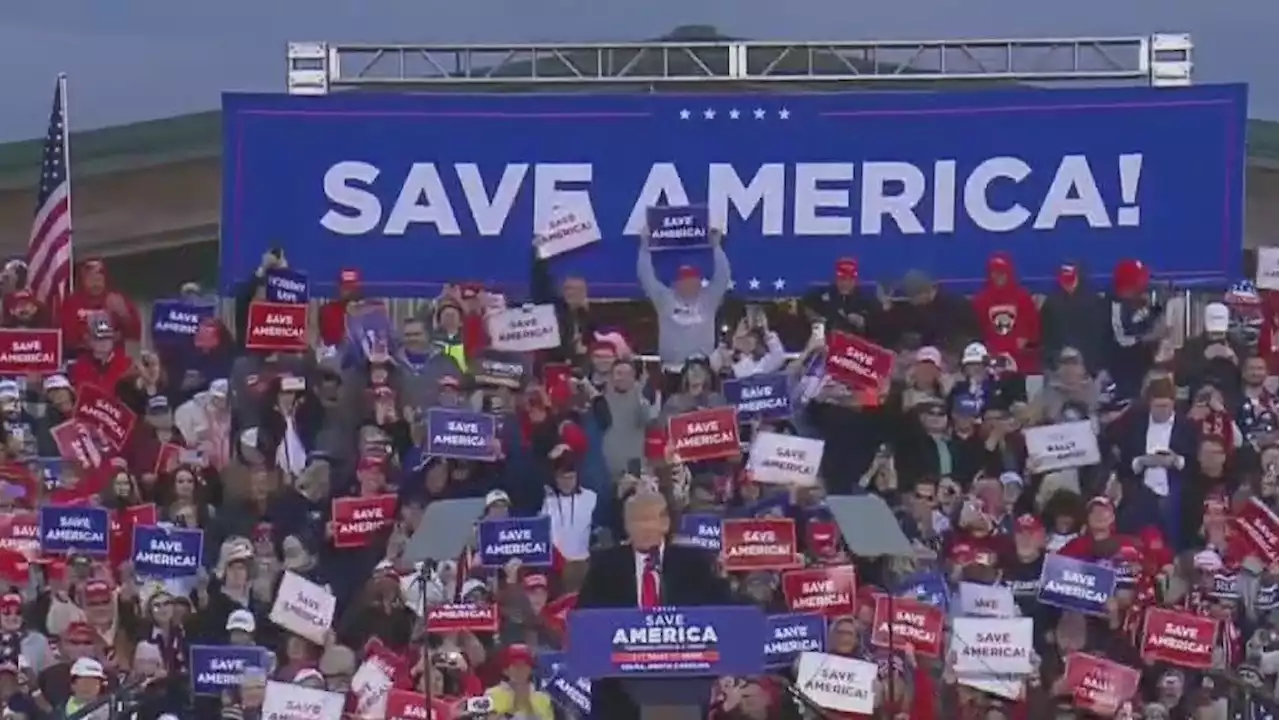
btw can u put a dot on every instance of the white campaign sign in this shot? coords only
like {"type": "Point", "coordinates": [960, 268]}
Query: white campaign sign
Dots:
{"type": "Point", "coordinates": [524, 329]}
{"type": "Point", "coordinates": [303, 608]}
{"type": "Point", "coordinates": [986, 600]}
{"type": "Point", "coordinates": [837, 683]}
{"type": "Point", "coordinates": [991, 647]}
{"type": "Point", "coordinates": [1268, 275]}
{"type": "Point", "coordinates": [370, 685]}
{"type": "Point", "coordinates": [1065, 445]}
{"type": "Point", "coordinates": [286, 701]}
{"type": "Point", "coordinates": [785, 459]}
{"type": "Point", "coordinates": [569, 227]}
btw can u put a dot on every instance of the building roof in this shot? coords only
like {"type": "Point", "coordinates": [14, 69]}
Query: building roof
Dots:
{"type": "Point", "coordinates": [198, 136]}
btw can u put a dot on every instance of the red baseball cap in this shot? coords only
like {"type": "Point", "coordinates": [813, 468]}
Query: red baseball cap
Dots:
{"type": "Point", "coordinates": [97, 592]}
{"type": "Point", "coordinates": [1100, 500]}
{"type": "Point", "coordinates": [349, 277]}
{"type": "Point", "coordinates": [536, 581]}
{"type": "Point", "coordinates": [823, 537]}
{"type": "Point", "coordinates": [688, 272]}
{"type": "Point", "coordinates": [1029, 523]}
{"type": "Point", "coordinates": [847, 269]}
{"type": "Point", "coordinates": [518, 654]}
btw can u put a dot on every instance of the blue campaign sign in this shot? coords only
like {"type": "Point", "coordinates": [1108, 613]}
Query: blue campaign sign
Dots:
{"type": "Point", "coordinates": [760, 397]}
{"type": "Point", "coordinates": [928, 587]}
{"type": "Point", "coordinates": [285, 285]}
{"type": "Point", "coordinates": [678, 228]}
{"type": "Point", "coordinates": [792, 634]}
{"type": "Point", "coordinates": [217, 668]}
{"type": "Point", "coordinates": [161, 552]}
{"type": "Point", "coordinates": [700, 530]}
{"type": "Point", "coordinates": [525, 539]}
{"type": "Point", "coordinates": [178, 320]}
{"type": "Point", "coordinates": [67, 528]}
{"type": "Point", "coordinates": [566, 689]}
{"type": "Point", "coordinates": [418, 190]}
{"type": "Point", "coordinates": [1076, 585]}
{"type": "Point", "coordinates": [460, 434]}
{"type": "Point", "coordinates": [667, 642]}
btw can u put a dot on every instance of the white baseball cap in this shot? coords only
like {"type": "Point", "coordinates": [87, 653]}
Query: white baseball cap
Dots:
{"type": "Point", "coordinates": [241, 620]}
{"type": "Point", "coordinates": [1217, 318]}
{"type": "Point", "coordinates": [496, 496]}
{"type": "Point", "coordinates": [974, 353]}
{"type": "Point", "coordinates": [88, 667]}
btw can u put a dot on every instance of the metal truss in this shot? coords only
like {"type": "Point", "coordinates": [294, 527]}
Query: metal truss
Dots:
{"type": "Point", "coordinates": [319, 68]}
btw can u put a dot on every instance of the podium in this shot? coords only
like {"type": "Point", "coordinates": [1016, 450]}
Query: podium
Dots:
{"type": "Point", "coordinates": [667, 659]}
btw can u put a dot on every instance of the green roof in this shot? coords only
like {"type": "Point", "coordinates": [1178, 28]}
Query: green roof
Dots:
{"type": "Point", "coordinates": [198, 136]}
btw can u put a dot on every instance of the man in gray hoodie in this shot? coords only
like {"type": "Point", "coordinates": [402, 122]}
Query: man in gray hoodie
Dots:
{"type": "Point", "coordinates": [686, 310]}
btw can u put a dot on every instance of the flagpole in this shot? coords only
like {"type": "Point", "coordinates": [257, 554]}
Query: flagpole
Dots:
{"type": "Point", "coordinates": [66, 163]}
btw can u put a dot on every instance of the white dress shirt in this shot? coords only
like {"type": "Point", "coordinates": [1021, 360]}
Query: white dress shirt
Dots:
{"type": "Point", "coordinates": [1159, 435]}
{"type": "Point", "coordinates": [641, 559]}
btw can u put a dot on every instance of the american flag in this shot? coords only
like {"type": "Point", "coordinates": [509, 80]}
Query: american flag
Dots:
{"type": "Point", "coordinates": [49, 250]}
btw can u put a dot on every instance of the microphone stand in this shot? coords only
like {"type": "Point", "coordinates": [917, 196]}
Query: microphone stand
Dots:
{"type": "Point", "coordinates": [424, 576]}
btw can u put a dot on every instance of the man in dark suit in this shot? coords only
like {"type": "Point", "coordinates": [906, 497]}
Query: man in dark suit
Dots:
{"type": "Point", "coordinates": [649, 572]}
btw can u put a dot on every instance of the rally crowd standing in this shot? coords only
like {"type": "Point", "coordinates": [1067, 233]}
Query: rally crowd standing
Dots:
{"type": "Point", "coordinates": [257, 449]}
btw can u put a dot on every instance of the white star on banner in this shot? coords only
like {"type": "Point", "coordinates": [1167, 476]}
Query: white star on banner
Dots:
{"type": "Point", "coordinates": [759, 113]}
{"type": "Point", "coordinates": [733, 114]}
{"type": "Point", "coordinates": [705, 282]}
{"type": "Point", "coordinates": [784, 114]}
{"type": "Point", "coordinates": [684, 114]}
{"type": "Point", "coordinates": [779, 284]}
{"type": "Point", "coordinates": [709, 114]}
{"type": "Point", "coordinates": [753, 284]}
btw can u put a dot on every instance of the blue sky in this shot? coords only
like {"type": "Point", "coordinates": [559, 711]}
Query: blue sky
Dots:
{"type": "Point", "coordinates": [133, 60]}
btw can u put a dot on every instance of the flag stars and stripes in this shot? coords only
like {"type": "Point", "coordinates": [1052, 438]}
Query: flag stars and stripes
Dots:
{"type": "Point", "coordinates": [49, 245]}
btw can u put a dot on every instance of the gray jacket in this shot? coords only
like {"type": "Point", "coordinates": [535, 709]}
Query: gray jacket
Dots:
{"type": "Point", "coordinates": [684, 329]}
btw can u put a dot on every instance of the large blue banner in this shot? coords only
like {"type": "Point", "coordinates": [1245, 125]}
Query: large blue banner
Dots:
{"type": "Point", "coordinates": [419, 190]}
{"type": "Point", "coordinates": [667, 642]}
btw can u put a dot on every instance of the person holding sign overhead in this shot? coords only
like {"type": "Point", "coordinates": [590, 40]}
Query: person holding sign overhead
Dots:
{"type": "Point", "coordinates": [686, 310]}
{"type": "Point", "coordinates": [646, 572]}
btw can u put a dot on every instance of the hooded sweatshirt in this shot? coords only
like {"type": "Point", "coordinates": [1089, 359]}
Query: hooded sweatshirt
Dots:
{"type": "Point", "coordinates": [1073, 315]}
{"type": "Point", "coordinates": [1008, 316]}
{"type": "Point", "coordinates": [685, 328]}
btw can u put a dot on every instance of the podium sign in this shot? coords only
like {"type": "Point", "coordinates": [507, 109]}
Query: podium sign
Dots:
{"type": "Point", "coordinates": [667, 642]}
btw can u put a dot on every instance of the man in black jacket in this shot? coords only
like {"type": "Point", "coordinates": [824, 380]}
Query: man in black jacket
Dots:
{"type": "Point", "coordinates": [648, 572]}
{"type": "Point", "coordinates": [843, 305]}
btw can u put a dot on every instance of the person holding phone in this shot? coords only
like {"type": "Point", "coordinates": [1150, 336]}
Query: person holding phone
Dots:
{"type": "Point", "coordinates": [845, 305]}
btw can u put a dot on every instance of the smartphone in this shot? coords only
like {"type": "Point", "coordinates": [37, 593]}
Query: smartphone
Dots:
{"type": "Point", "coordinates": [756, 317]}
{"type": "Point", "coordinates": [478, 706]}
{"type": "Point", "coordinates": [818, 329]}
{"type": "Point", "coordinates": [634, 467]}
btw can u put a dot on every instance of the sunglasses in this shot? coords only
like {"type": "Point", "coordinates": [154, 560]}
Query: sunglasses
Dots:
{"type": "Point", "coordinates": [927, 497]}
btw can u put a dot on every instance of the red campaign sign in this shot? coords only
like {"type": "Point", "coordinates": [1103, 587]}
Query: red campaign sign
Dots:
{"type": "Point", "coordinates": [168, 459]}
{"type": "Point", "coordinates": [1178, 638]}
{"type": "Point", "coordinates": [406, 705]}
{"type": "Point", "coordinates": [1098, 685]}
{"type": "Point", "coordinates": [276, 327]}
{"type": "Point", "coordinates": [120, 541]}
{"type": "Point", "coordinates": [357, 519]}
{"type": "Point", "coordinates": [914, 623]}
{"type": "Point", "coordinates": [1260, 528]}
{"type": "Point", "coordinates": [100, 409]}
{"type": "Point", "coordinates": [456, 617]}
{"type": "Point", "coordinates": [858, 363]}
{"type": "Point", "coordinates": [831, 591]}
{"type": "Point", "coordinates": [704, 434]}
{"type": "Point", "coordinates": [24, 351]}
{"type": "Point", "coordinates": [79, 443]}
{"type": "Point", "coordinates": [759, 544]}
{"type": "Point", "coordinates": [20, 533]}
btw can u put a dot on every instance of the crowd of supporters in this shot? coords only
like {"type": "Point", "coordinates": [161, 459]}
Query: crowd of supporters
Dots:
{"type": "Point", "coordinates": [257, 448]}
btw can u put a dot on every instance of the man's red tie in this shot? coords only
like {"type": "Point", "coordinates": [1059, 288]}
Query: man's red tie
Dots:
{"type": "Point", "coordinates": [649, 584]}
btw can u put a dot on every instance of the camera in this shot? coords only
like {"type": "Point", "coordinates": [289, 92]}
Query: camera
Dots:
{"type": "Point", "coordinates": [478, 706]}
